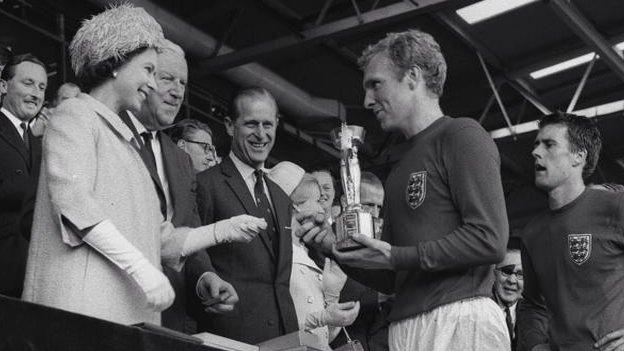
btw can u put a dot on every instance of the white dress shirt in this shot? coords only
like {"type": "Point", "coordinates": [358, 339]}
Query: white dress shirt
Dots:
{"type": "Point", "coordinates": [14, 120]}
{"type": "Point", "coordinates": [247, 172]}
{"type": "Point", "coordinates": [160, 165]}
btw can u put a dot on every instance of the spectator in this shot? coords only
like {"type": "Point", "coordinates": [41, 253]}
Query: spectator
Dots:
{"type": "Point", "coordinates": [66, 91]}
{"type": "Point", "coordinates": [195, 138]}
{"type": "Point", "coordinates": [508, 286]}
{"type": "Point", "coordinates": [23, 83]}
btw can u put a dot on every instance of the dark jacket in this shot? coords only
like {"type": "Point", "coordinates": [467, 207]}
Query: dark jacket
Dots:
{"type": "Point", "coordinates": [259, 275]}
{"type": "Point", "coordinates": [19, 172]}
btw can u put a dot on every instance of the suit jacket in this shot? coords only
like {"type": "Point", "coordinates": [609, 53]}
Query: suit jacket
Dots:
{"type": "Point", "coordinates": [19, 172]}
{"type": "Point", "coordinates": [92, 171]}
{"type": "Point", "coordinates": [259, 275]}
{"type": "Point", "coordinates": [182, 192]}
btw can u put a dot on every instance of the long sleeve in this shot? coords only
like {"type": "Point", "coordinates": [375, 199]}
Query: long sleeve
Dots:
{"type": "Point", "coordinates": [532, 316]}
{"type": "Point", "coordinates": [473, 172]}
{"type": "Point", "coordinates": [71, 174]}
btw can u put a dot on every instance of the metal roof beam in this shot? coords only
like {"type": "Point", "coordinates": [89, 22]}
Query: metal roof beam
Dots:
{"type": "Point", "coordinates": [452, 21]}
{"type": "Point", "coordinates": [586, 31]}
{"type": "Point", "coordinates": [347, 26]}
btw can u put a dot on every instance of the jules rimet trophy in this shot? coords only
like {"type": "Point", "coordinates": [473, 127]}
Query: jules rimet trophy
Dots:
{"type": "Point", "coordinates": [353, 220]}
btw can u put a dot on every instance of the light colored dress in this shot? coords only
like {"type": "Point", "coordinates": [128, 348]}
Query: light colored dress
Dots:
{"type": "Point", "coordinates": [91, 171]}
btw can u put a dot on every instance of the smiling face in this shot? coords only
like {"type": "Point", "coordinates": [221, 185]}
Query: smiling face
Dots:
{"type": "Point", "coordinates": [390, 99]}
{"type": "Point", "coordinates": [164, 103]}
{"type": "Point", "coordinates": [24, 93]}
{"type": "Point", "coordinates": [507, 287]}
{"type": "Point", "coordinates": [327, 189]}
{"type": "Point", "coordinates": [253, 132]}
{"type": "Point", "coordinates": [134, 81]}
{"type": "Point", "coordinates": [555, 164]}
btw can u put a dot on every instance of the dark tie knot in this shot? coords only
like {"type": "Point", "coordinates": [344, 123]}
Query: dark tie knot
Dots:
{"type": "Point", "coordinates": [259, 173]}
{"type": "Point", "coordinates": [147, 136]}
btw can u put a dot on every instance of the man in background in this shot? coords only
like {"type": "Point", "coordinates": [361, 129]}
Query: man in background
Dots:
{"type": "Point", "coordinates": [23, 84]}
{"type": "Point", "coordinates": [195, 138]}
{"type": "Point", "coordinates": [508, 286]}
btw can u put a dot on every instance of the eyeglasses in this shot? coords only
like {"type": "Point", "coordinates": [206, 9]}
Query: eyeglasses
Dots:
{"type": "Point", "coordinates": [508, 271]}
{"type": "Point", "coordinates": [208, 148]}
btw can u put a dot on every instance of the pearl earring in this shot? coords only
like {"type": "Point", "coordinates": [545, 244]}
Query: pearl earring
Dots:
{"type": "Point", "coordinates": [114, 74]}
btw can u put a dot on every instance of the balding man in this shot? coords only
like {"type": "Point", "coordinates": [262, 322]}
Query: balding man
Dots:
{"type": "Point", "coordinates": [23, 83]}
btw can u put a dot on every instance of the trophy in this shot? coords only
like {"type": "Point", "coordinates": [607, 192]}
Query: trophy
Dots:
{"type": "Point", "coordinates": [353, 220]}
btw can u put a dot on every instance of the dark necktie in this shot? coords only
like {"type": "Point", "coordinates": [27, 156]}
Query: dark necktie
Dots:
{"type": "Point", "coordinates": [149, 150]}
{"type": "Point", "coordinates": [150, 159]}
{"type": "Point", "coordinates": [509, 322]}
{"type": "Point", "coordinates": [26, 137]}
{"type": "Point", "coordinates": [264, 208]}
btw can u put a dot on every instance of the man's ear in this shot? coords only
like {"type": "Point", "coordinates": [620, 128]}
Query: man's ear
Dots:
{"type": "Point", "coordinates": [229, 126]}
{"type": "Point", "coordinates": [579, 158]}
{"type": "Point", "coordinates": [181, 143]}
{"type": "Point", "coordinates": [412, 75]}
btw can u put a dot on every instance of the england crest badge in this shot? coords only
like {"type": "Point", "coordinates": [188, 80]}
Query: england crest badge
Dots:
{"type": "Point", "coordinates": [580, 247]}
{"type": "Point", "coordinates": [416, 189]}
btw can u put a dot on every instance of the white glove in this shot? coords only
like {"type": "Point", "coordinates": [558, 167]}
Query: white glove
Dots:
{"type": "Point", "coordinates": [335, 315]}
{"type": "Point", "coordinates": [107, 240]}
{"type": "Point", "coordinates": [334, 280]}
{"type": "Point", "coordinates": [242, 228]}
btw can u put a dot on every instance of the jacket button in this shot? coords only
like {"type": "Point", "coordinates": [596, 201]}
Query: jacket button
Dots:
{"type": "Point", "coordinates": [310, 299]}
{"type": "Point", "coordinates": [270, 322]}
{"type": "Point", "coordinates": [19, 171]}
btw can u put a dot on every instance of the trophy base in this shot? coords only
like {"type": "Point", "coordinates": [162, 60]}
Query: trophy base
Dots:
{"type": "Point", "coordinates": [353, 222]}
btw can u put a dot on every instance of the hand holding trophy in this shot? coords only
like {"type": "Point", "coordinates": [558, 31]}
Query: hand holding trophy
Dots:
{"type": "Point", "coordinates": [353, 220]}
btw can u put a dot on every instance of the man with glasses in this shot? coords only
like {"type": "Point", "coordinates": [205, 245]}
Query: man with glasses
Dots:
{"type": "Point", "coordinates": [508, 286]}
{"type": "Point", "coordinates": [195, 138]}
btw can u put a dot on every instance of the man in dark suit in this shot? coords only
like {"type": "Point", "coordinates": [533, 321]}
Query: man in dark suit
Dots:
{"type": "Point", "coordinates": [259, 270]}
{"type": "Point", "coordinates": [171, 164]}
{"type": "Point", "coordinates": [23, 84]}
{"type": "Point", "coordinates": [508, 286]}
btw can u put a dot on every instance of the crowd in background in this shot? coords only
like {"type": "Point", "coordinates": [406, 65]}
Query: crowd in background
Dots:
{"type": "Point", "coordinates": [110, 209]}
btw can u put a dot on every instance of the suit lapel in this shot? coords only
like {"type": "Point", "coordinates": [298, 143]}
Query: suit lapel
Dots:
{"type": "Point", "coordinates": [12, 137]}
{"type": "Point", "coordinates": [236, 182]}
{"type": "Point", "coordinates": [173, 170]}
{"type": "Point", "coordinates": [281, 205]}
{"type": "Point", "coordinates": [123, 126]}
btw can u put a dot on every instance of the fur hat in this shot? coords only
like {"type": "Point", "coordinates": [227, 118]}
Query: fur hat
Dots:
{"type": "Point", "coordinates": [115, 32]}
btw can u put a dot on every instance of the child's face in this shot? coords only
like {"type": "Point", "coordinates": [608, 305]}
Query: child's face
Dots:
{"type": "Point", "coordinates": [309, 200]}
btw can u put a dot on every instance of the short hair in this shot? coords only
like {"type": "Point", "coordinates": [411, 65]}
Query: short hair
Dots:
{"type": "Point", "coordinates": [253, 92]}
{"type": "Point", "coordinates": [583, 135]}
{"type": "Point", "coordinates": [93, 75]}
{"type": "Point", "coordinates": [186, 127]}
{"type": "Point", "coordinates": [412, 48]}
{"type": "Point", "coordinates": [167, 46]}
{"type": "Point", "coordinates": [9, 69]}
{"type": "Point", "coordinates": [303, 190]}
